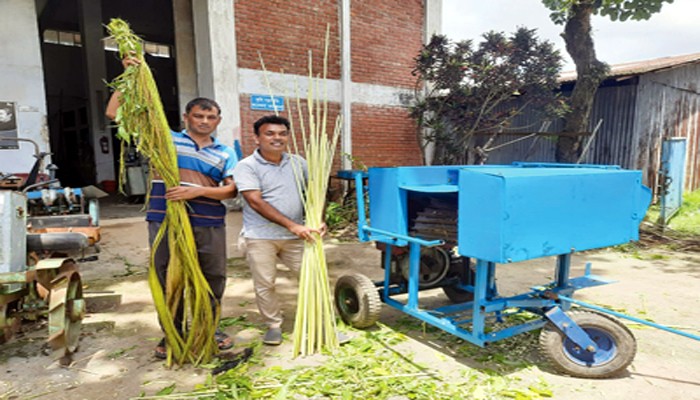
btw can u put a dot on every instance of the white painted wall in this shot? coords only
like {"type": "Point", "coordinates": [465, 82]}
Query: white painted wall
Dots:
{"type": "Point", "coordinates": [22, 81]}
{"type": "Point", "coordinates": [252, 81]}
{"type": "Point", "coordinates": [215, 41]}
{"type": "Point", "coordinates": [433, 26]}
{"type": "Point", "coordinates": [346, 83]}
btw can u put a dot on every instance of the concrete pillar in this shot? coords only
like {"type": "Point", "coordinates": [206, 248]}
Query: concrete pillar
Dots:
{"type": "Point", "coordinates": [346, 84]}
{"type": "Point", "coordinates": [217, 64]}
{"type": "Point", "coordinates": [433, 25]}
{"type": "Point", "coordinates": [22, 82]}
{"type": "Point", "coordinates": [96, 71]}
{"type": "Point", "coordinates": [433, 18]}
{"type": "Point", "coordinates": [185, 55]}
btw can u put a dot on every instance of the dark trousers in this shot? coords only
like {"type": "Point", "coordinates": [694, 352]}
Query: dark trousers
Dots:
{"type": "Point", "coordinates": [211, 251]}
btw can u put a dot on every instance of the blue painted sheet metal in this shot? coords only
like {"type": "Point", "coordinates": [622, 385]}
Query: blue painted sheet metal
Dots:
{"type": "Point", "coordinates": [513, 214]}
{"type": "Point", "coordinates": [518, 212]}
{"type": "Point", "coordinates": [388, 209]}
{"type": "Point", "coordinates": [672, 174]}
{"type": "Point", "coordinates": [388, 189]}
{"type": "Point", "coordinates": [36, 194]}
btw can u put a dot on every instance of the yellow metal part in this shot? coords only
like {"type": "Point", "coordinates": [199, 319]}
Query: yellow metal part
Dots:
{"type": "Point", "coordinates": [66, 312]}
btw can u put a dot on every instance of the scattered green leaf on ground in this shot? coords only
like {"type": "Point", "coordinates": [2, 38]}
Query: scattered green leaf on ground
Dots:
{"type": "Point", "coordinates": [240, 322]}
{"type": "Point", "coordinates": [370, 366]}
{"type": "Point", "coordinates": [119, 353]}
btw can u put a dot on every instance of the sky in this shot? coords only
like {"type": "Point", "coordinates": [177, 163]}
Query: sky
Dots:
{"type": "Point", "coordinates": [674, 31]}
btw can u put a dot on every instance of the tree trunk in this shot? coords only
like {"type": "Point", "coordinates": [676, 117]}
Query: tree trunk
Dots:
{"type": "Point", "coordinates": [590, 72]}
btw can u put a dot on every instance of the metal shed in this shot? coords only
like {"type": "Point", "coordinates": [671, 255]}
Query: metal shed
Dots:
{"type": "Point", "coordinates": [637, 106]}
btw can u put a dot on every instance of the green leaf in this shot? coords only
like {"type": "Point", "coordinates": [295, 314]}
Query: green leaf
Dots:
{"type": "Point", "coordinates": [166, 390]}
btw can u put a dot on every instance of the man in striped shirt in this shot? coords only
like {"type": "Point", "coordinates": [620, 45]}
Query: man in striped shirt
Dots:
{"type": "Point", "coordinates": [206, 175]}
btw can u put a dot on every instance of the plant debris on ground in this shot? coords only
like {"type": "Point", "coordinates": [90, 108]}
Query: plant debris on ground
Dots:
{"type": "Point", "coordinates": [368, 367]}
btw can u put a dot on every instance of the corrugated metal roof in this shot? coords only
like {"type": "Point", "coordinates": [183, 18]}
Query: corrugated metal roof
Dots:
{"type": "Point", "coordinates": [640, 67]}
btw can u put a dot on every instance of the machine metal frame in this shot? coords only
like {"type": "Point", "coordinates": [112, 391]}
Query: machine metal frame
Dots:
{"type": "Point", "coordinates": [600, 348]}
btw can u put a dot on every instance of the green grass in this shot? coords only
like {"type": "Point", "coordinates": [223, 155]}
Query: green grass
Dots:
{"type": "Point", "coordinates": [687, 220]}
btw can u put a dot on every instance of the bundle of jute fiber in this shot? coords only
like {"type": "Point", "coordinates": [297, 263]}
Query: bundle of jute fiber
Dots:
{"type": "Point", "coordinates": [314, 327]}
{"type": "Point", "coordinates": [141, 121]}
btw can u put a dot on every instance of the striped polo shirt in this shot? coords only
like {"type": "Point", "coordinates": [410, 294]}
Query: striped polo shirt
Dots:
{"type": "Point", "coordinates": [278, 187]}
{"type": "Point", "coordinates": [206, 166]}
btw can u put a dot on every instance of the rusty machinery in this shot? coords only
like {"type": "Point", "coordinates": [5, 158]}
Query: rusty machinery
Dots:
{"type": "Point", "coordinates": [41, 227]}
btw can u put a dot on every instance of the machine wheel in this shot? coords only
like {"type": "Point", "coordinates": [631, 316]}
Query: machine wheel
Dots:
{"type": "Point", "coordinates": [357, 300]}
{"type": "Point", "coordinates": [616, 347]}
{"type": "Point", "coordinates": [9, 324]}
{"type": "Point", "coordinates": [464, 271]}
{"type": "Point", "coordinates": [457, 295]}
{"type": "Point", "coordinates": [66, 311]}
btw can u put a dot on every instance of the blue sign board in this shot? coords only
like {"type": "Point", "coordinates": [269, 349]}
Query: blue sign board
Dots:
{"type": "Point", "coordinates": [266, 102]}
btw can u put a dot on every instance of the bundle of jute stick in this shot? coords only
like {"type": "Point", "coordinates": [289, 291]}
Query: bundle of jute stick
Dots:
{"type": "Point", "coordinates": [141, 121]}
{"type": "Point", "coordinates": [314, 327]}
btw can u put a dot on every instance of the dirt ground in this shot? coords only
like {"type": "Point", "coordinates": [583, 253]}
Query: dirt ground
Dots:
{"type": "Point", "coordinates": [115, 358]}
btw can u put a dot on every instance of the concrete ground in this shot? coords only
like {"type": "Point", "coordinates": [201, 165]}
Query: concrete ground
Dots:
{"type": "Point", "coordinates": [115, 361]}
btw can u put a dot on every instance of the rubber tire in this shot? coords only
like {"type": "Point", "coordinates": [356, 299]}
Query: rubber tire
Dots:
{"type": "Point", "coordinates": [553, 345]}
{"type": "Point", "coordinates": [357, 300]}
{"type": "Point", "coordinates": [457, 295]}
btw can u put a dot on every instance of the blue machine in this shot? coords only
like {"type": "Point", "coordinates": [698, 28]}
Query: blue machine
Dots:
{"type": "Point", "coordinates": [449, 226]}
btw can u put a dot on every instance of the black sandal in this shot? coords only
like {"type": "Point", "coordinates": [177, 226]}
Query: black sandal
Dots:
{"type": "Point", "coordinates": [223, 340]}
{"type": "Point", "coordinates": [161, 352]}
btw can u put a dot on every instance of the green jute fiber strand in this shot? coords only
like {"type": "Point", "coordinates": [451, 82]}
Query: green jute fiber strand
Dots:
{"type": "Point", "coordinates": [141, 121]}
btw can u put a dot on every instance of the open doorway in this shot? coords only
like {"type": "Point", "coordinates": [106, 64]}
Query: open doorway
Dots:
{"type": "Point", "coordinates": [62, 25]}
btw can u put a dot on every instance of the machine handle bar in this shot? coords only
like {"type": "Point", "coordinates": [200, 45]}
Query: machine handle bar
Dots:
{"type": "Point", "coordinates": [422, 242]}
{"type": "Point", "coordinates": [625, 316]}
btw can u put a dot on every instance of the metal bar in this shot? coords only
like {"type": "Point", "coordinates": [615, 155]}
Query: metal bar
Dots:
{"type": "Point", "coordinates": [515, 330]}
{"type": "Point", "coordinates": [517, 301]}
{"type": "Point", "coordinates": [625, 316]}
{"type": "Point", "coordinates": [482, 269]}
{"type": "Point", "coordinates": [438, 322]}
{"type": "Point", "coordinates": [387, 270]}
{"type": "Point", "coordinates": [492, 292]}
{"type": "Point", "coordinates": [563, 270]}
{"type": "Point", "coordinates": [413, 274]}
{"type": "Point", "coordinates": [558, 165]}
{"type": "Point", "coordinates": [361, 217]}
{"type": "Point", "coordinates": [569, 328]}
{"type": "Point", "coordinates": [454, 308]}
{"type": "Point", "coordinates": [422, 242]}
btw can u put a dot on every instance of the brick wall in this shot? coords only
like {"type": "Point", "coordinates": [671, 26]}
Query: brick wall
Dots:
{"type": "Point", "coordinates": [386, 36]}
{"type": "Point", "coordinates": [284, 31]}
{"type": "Point", "coordinates": [384, 136]}
{"type": "Point", "coordinates": [249, 117]}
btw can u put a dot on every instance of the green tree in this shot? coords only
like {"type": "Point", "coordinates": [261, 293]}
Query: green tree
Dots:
{"type": "Point", "coordinates": [575, 15]}
{"type": "Point", "coordinates": [480, 89]}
